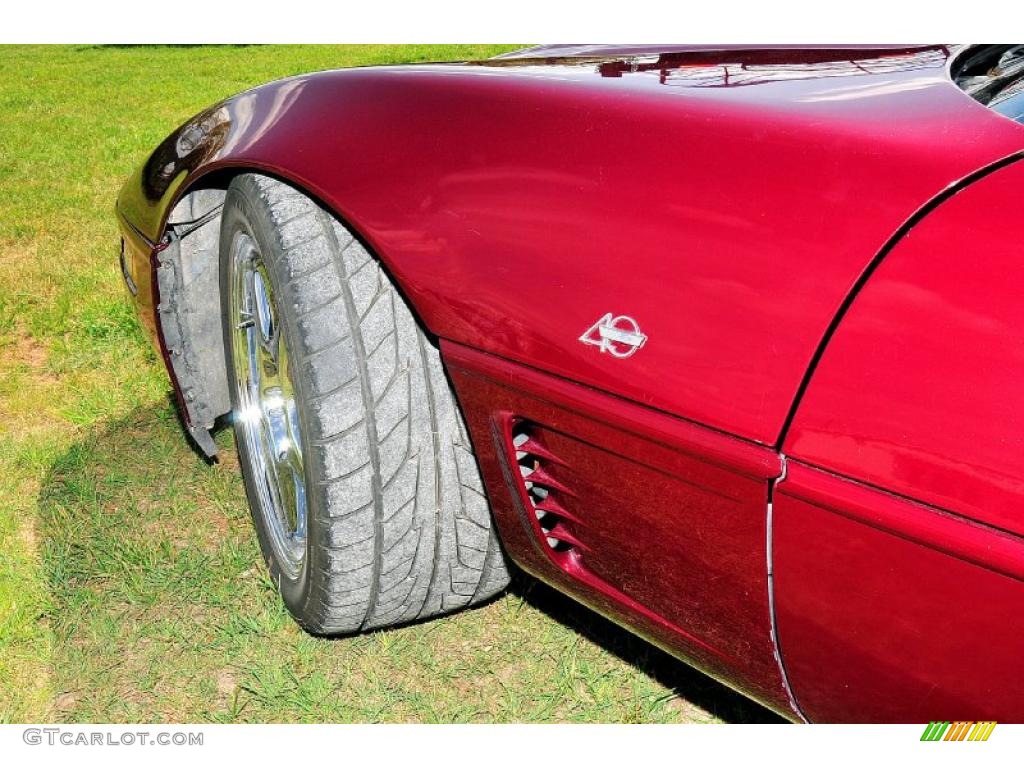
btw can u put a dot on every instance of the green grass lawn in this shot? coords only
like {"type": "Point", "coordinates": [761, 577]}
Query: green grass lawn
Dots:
{"type": "Point", "coordinates": [131, 588]}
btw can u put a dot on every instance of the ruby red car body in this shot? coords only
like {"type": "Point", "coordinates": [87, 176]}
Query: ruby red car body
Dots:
{"type": "Point", "coordinates": [809, 482]}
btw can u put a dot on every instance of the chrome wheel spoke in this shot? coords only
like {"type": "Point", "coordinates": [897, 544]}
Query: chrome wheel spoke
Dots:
{"type": "Point", "coordinates": [268, 413]}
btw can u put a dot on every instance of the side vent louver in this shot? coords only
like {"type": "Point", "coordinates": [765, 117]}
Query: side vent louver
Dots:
{"type": "Point", "coordinates": [538, 469]}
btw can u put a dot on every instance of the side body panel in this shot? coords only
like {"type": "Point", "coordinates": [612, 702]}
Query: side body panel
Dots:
{"type": "Point", "coordinates": [899, 561]}
{"type": "Point", "coordinates": [668, 518]}
{"type": "Point", "coordinates": [889, 611]}
{"type": "Point", "coordinates": [726, 200]}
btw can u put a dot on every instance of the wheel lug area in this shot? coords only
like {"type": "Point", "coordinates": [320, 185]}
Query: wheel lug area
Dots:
{"type": "Point", "coordinates": [275, 411]}
{"type": "Point", "coordinates": [264, 310]}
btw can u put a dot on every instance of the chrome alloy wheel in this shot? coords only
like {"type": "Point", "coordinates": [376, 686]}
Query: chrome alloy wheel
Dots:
{"type": "Point", "coordinates": [267, 413]}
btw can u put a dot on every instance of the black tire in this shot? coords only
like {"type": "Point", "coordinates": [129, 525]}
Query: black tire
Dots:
{"type": "Point", "coordinates": [398, 526]}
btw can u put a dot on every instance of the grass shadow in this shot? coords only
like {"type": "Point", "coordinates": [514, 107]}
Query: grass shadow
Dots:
{"type": "Point", "coordinates": [684, 681]}
{"type": "Point", "coordinates": [161, 611]}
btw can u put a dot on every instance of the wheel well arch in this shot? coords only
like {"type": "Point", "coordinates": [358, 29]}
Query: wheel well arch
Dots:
{"type": "Point", "coordinates": [187, 281]}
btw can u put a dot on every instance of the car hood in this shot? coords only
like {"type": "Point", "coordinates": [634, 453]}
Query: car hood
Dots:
{"type": "Point", "coordinates": [605, 50]}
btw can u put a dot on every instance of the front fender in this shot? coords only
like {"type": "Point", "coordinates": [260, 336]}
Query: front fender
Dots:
{"type": "Point", "coordinates": [516, 204]}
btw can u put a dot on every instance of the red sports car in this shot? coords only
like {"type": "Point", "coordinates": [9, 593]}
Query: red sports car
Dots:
{"type": "Point", "coordinates": [726, 343]}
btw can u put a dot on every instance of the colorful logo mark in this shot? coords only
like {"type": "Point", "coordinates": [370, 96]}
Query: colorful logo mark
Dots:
{"type": "Point", "coordinates": [946, 731]}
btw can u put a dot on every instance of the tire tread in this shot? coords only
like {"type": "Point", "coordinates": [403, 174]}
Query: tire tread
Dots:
{"type": "Point", "coordinates": [423, 544]}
